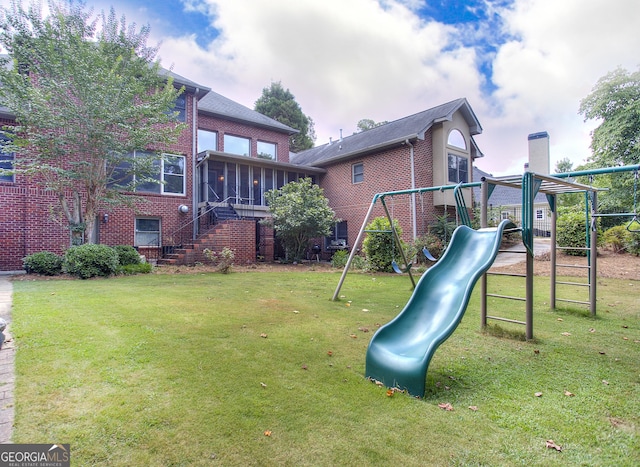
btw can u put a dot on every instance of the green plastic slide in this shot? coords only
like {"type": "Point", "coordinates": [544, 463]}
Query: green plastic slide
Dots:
{"type": "Point", "coordinates": [399, 353]}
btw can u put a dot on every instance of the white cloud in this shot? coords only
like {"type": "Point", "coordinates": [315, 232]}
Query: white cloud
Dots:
{"type": "Point", "coordinates": [345, 61]}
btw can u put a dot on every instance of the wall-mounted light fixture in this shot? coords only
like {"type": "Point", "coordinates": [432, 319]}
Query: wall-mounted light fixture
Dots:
{"type": "Point", "coordinates": [255, 183]}
{"type": "Point", "coordinates": [183, 208]}
{"type": "Point", "coordinates": [221, 178]}
{"type": "Point", "coordinates": [105, 218]}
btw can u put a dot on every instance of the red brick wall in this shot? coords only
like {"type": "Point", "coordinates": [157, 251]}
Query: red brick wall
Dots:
{"type": "Point", "coordinates": [256, 134]}
{"type": "Point", "coordinates": [389, 170]}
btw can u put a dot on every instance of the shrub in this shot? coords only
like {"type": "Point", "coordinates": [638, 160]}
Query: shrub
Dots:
{"type": "Point", "coordinates": [379, 246]}
{"type": "Point", "coordinates": [43, 262]}
{"type": "Point", "coordinates": [443, 229]}
{"type": "Point", "coordinates": [223, 260]}
{"type": "Point", "coordinates": [614, 238]}
{"type": "Point", "coordinates": [339, 259]}
{"type": "Point", "coordinates": [571, 233]}
{"type": "Point", "coordinates": [90, 260]}
{"type": "Point", "coordinates": [132, 269]}
{"type": "Point", "coordinates": [632, 237]}
{"type": "Point", "coordinates": [127, 255]}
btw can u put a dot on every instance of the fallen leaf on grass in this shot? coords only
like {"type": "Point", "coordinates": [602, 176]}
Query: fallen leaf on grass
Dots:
{"type": "Point", "coordinates": [267, 433]}
{"type": "Point", "coordinates": [365, 310]}
{"type": "Point", "coordinates": [625, 338]}
{"type": "Point", "coordinates": [390, 392]}
{"type": "Point", "coordinates": [592, 330]}
{"type": "Point", "coordinates": [473, 407]}
{"type": "Point", "coordinates": [353, 336]}
{"type": "Point", "coordinates": [560, 319]}
{"type": "Point", "coordinates": [446, 406]}
{"type": "Point", "coordinates": [296, 311]}
{"type": "Point", "coordinates": [263, 335]}
{"type": "Point", "coordinates": [566, 333]}
{"type": "Point", "coordinates": [601, 352]}
{"type": "Point", "coordinates": [536, 351]}
{"type": "Point", "coordinates": [347, 304]}
{"type": "Point", "coordinates": [538, 394]}
{"type": "Point", "coordinates": [605, 382]}
{"type": "Point", "coordinates": [568, 393]}
{"type": "Point", "coordinates": [363, 329]}
{"type": "Point", "coordinates": [330, 353]}
{"type": "Point", "coordinates": [263, 385]}
{"type": "Point", "coordinates": [552, 445]}
{"type": "Point", "coordinates": [304, 367]}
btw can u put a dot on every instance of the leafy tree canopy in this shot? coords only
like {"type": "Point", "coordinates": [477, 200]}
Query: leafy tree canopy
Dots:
{"type": "Point", "coordinates": [281, 105]}
{"type": "Point", "coordinates": [299, 213]}
{"type": "Point", "coordinates": [85, 93]}
{"type": "Point", "coordinates": [615, 101]}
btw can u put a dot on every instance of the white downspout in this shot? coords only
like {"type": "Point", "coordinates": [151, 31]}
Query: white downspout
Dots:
{"type": "Point", "coordinates": [414, 224]}
{"type": "Point", "coordinates": [194, 156]}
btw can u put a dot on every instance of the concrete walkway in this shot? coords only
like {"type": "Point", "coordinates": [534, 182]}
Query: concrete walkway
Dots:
{"type": "Point", "coordinates": [7, 359]}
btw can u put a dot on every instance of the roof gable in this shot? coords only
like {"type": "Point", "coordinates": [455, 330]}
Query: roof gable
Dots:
{"type": "Point", "coordinates": [410, 127]}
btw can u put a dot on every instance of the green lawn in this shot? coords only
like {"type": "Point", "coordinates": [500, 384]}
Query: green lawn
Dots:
{"type": "Point", "coordinates": [264, 369]}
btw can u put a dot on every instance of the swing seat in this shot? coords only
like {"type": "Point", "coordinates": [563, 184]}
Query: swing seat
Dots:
{"type": "Point", "coordinates": [398, 269]}
{"type": "Point", "coordinates": [427, 254]}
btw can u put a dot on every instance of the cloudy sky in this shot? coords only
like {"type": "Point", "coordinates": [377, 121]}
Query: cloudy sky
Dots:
{"type": "Point", "coordinates": [523, 65]}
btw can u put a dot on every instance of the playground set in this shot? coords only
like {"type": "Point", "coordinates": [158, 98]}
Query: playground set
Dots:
{"type": "Point", "coordinates": [400, 351]}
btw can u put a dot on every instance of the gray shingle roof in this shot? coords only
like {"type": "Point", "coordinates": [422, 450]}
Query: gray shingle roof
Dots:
{"type": "Point", "coordinates": [218, 105]}
{"type": "Point", "coordinates": [502, 195]}
{"type": "Point", "coordinates": [411, 127]}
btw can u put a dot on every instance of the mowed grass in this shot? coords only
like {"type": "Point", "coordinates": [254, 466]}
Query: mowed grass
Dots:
{"type": "Point", "coordinates": [264, 369]}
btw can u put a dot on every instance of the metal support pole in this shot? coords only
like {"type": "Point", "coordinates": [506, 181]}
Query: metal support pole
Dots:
{"type": "Point", "coordinates": [484, 190]}
{"type": "Point", "coordinates": [593, 278]}
{"type": "Point", "coordinates": [353, 248]}
{"type": "Point", "coordinates": [529, 295]}
{"type": "Point", "coordinates": [553, 254]}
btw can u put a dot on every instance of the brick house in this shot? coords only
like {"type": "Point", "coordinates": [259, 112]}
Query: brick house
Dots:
{"type": "Point", "coordinates": [216, 174]}
{"type": "Point", "coordinates": [431, 148]}
{"type": "Point", "coordinates": [225, 160]}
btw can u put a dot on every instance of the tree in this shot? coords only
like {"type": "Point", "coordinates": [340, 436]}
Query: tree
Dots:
{"type": "Point", "coordinates": [615, 100]}
{"type": "Point", "coordinates": [367, 124]}
{"type": "Point", "coordinates": [299, 213]}
{"type": "Point", "coordinates": [84, 98]}
{"type": "Point", "coordinates": [564, 165]}
{"type": "Point", "coordinates": [281, 105]}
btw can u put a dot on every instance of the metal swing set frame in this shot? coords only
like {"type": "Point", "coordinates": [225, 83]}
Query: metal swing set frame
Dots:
{"type": "Point", "coordinates": [530, 184]}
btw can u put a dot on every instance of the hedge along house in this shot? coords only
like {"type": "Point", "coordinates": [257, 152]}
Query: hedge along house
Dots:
{"type": "Point", "coordinates": [431, 148]}
{"type": "Point", "coordinates": [227, 155]}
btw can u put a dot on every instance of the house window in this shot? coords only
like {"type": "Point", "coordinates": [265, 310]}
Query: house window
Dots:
{"type": "Point", "coordinates": [357, 173]}
{"type": "Point", "coordinates": [266, 150]}
{"type": "Point", "coordinates": [173, 175]}
{"type": "Point", "coordinates": [147, 232]}
{"type": "Point", "coordinates": [458, 169]}
{"type": "Point", "coordinates": [456, 139]}
{"type": "Point", "coordinates": [168, 175]}
{"type": "Point", "coordinates": [180, 108]}
{"type": "Point", "coordinates": [207, 140]}
{"type": "Point", "coordinates": [237, 145]}
{"type": "Point", "coordinates": [539, 214]}
{"type": "Point", "coordinates": [6, 163]}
